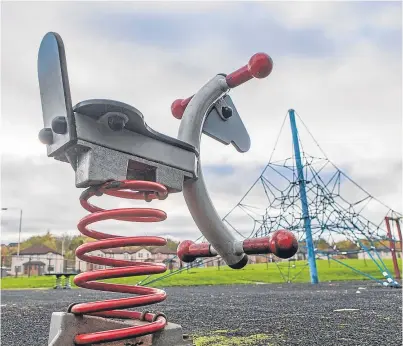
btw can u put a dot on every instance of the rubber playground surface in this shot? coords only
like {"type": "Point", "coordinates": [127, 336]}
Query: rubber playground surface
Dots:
{"type": "Point", "coordinates": [342, 313]}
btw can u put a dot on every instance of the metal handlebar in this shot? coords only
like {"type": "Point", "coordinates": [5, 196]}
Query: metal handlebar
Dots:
{"type": "Point", "coordinates": [259, 66]}
{"type": "Point", "coordinates": [195, 113]}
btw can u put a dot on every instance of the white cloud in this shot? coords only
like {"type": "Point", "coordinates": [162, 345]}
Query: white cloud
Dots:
{"type": "Point", "coordinates": [336, 18]}
{"type": "Point", "coordinates": [351, 102]}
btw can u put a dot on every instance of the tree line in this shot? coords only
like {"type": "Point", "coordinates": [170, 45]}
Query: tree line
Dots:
{"type": "Point", "coordinates": [68, 245]}
{"type": "Point", "coordinates": [65, 244]}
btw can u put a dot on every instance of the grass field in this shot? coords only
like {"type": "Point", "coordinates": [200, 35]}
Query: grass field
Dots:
{"type": "Point", "coordinates": [256, 273]}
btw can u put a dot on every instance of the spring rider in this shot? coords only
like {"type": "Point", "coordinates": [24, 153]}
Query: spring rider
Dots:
{"type": "Point", "coordinates": [114, 152]}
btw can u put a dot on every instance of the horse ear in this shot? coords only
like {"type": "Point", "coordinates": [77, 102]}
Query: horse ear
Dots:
{"type": "Point", "coordinates": [225, 125]}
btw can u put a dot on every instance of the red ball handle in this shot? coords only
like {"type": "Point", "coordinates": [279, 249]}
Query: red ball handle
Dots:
{"type": "Point", "coordinates": [259, 66]}
{"type": "Point", "coordinates": [178, 107]}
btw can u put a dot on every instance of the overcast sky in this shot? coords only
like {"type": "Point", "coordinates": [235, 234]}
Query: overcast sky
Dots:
{"type": "Point", "coordinates": [338, 64]}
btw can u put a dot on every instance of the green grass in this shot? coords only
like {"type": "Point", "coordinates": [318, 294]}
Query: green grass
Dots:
{"type": "Point", "coordinates": [232, 338]}
{"type": "Point", "coordinates": [257, 273]}
{"type": "Point", "coordinates": [219, 340]}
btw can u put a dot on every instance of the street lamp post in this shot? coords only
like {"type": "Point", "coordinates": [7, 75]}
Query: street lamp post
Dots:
{"type": "Point", "coordinates": [63, 263]}
{"type": "Point", "coordinates": [19, 229]}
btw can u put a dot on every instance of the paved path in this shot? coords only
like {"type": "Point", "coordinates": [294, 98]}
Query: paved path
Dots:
{"type": "Point", "coordinates": [296, 314]}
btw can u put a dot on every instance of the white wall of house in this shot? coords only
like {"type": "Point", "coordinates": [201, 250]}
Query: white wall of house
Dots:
{"type": "Point", "coordinates": [382, 254]}
{"type": "Point", "coordinates": [140, 256]}
{"type": "Point", "coordinates": [299, 256]}
{"type": "Point", "coordinates": [85, 266]}
{"type": "Point", "coordinates": [160, 257]}
{"type": "Point", "coordinates": [363, 255]}
{"type": "Point", "coordinates": [50, 259]}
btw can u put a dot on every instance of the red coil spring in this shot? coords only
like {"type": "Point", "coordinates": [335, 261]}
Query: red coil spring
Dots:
{"type": "Point", "coordinates": [145, 295]}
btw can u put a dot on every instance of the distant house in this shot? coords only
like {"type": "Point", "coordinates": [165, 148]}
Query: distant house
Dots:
{"type": "Point", "coordinates": [12, 244]}
{"type": "Point", "coordinates": [382, 252]}
{"type": "Point", "coordinates": [160, 254]}
{"type": "Point", "coordinates": [137, 254]}
{"type": "Point", "coordinates": [36, 260]}
{"type": "Point", "coordinates": [165, 255]}
{"type": "Point", "coordinates": [209, 262]}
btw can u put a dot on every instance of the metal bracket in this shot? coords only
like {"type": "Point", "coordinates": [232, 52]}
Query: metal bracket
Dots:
{"type": "Point", "coordinates": [95, 164]}
{"type": "Point", "coordinates": [65, 326]}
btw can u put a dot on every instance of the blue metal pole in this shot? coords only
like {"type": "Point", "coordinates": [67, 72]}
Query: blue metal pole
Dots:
{"type": "Point", "coordinates": [304, 202]}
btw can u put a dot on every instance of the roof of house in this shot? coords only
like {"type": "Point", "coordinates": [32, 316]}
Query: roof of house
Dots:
{"type": "Point", "coordinates": [130, 250]}
{"type": "Point", "coordinates": [133, 249]}
{"type": "Point", "coordinates": [345, 251]}
{"type": "Point", "coordinates": [34, 263]}
{"type": "Point", "coordinates": [385, 249]}
{"type": "Point", "coordinates": [304, 250]}
{"type": "Point", "coordinates": [169, 260]}
{"type": "Point", "coordinates": [164, 250]}
{"type": "Point", "coordinates": [37, 250]}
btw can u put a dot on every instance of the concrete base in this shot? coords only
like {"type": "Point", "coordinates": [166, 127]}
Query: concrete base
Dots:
{"type": "Point", "coordinates": [65, 326]}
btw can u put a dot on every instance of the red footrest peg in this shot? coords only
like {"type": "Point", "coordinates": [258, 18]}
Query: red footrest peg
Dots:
{"type": "Point", "coordinates": [281, 243]}
{"type": "Point", "coordinates": [188, 251]}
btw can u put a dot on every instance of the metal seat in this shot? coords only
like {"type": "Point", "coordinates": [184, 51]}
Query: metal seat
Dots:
{"type": "Point", "coordinates": [97, 108]}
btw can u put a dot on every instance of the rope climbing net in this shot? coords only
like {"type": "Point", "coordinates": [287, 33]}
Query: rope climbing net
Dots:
{"type": "Point", "coordinates": [345, 220]}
